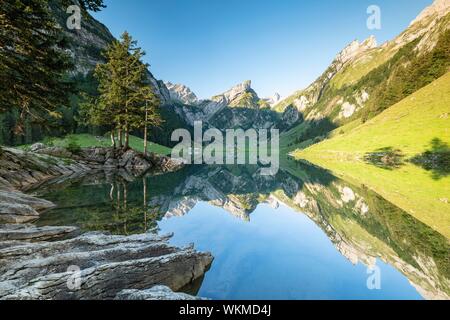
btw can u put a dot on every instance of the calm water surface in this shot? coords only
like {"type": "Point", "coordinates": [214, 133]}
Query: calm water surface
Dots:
{"type": "Point", "coordinates": [279, 254]}
{"type": "Point", "coordinates": [299, 235]}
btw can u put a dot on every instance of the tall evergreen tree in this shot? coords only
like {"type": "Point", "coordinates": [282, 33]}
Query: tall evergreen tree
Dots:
{"type": "Point", "coordinates": [33, 65]}
{"type": "Point", "coordinates": [107, 108]}
{"type": "Point", "coordinates": [151, 117]}
{"type": "Point", "coordinates": [126, 97]}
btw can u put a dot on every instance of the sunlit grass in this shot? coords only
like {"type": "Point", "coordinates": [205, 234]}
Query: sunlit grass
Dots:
{"type": "Point", "coordinates": [87, 140]}
{"type": "Point", "coordinates": [409, 126]}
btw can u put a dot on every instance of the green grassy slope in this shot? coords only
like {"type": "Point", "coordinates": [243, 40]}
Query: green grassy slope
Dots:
{"type": "Point", "coordinates": [87, 140]}
{"type": "Point", "coordinates": [362, 66]}
{"type": "Point", "coordinates": [350, 74]}
{"type": "Point", "coordinates": [409, 127]}
{"type": "Point", "coordinates": [369, 84]}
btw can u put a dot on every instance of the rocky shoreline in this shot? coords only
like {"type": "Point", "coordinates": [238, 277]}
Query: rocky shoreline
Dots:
{"type": "Point", "coordinates": [91, 266]}
{"type": "Point", "coordinates": [21, 170]}
{"type": "Point", "coordinates": [60, 263]}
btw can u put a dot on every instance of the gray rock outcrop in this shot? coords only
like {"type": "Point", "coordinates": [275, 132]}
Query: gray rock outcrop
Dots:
{"type": "Point", "coordinates": [20, 169]}
{"type": "Point", "coordinates": [241, 95]}
{"type": "Point", "coordinates": [181, 93]}
{"type": "Point", "coordinates": [99, 157]}
{"type": "Point", "coordinates": [93, 266]}
{"type": "Point", "coordinates": [438, 9]}
{"type": "Point", "coordinates": [290, 116]}
{"type": "Point", "coordinates": [86, 45]}
{"type": "Point", "coordinates": [239, 107]}
{"type": "Point", "coordinates": [28, 232]}
{"type": "Point", "coordinates": [17, 207]}
{"type": "Point", "coordinates": [274, 100]}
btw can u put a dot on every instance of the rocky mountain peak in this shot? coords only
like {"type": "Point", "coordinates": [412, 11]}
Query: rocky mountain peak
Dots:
{"type": "Point", "coordinates": [370, 42]}
{"type": "Point", "coordinates": [429, 25]}
{"type": "Point", "coordinates": [273, 100]}
{"type": "Point", "coordinates": [355, 48]}
{"type": "Point", "coordinates": [238, 90]}
{"type": "Point", "coordinates": [234, 95]}
{"type": "Point", "coordinates": [181, 93]}
{"type": "Point", "coordinates": [438, 8]}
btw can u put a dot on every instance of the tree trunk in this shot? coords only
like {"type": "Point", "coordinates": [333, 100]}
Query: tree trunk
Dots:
{"type": "Point", "coordinates": [127, 138]}
{"type": "Point", "coordinates": [113, 140]}
{"type": "Point", "coordinates": [118, 197]}
{"type": "Point", "coordinates": [125, 195]}
{"type": "Point", "coordinates": [119, 133]}
{"type": "Point", "coordinates": [145, 131]}
{"type": "Point", "coordinates": [111, 193]}
{"type": "Point", "coordinates": [144, 182]}
{"type": "Point", "coordinates": [145, 140]}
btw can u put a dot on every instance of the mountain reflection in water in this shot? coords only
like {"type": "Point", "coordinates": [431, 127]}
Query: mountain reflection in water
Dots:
{"type": "Point", "coordinates": [272, 237]}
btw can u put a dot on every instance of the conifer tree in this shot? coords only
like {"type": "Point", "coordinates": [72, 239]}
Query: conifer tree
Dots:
{"type": "Point", "coordinates": [33, 65]}
{"type": "Point", "coordinates": [92, 5]}
{"type": "Point", "coordinates": [150, 110]}
{"type": "Point", "coordinates": [139, 101]}
{"type": "Point", "coordinates": [126, 98]}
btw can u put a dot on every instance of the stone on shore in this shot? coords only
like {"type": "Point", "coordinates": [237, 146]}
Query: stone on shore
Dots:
{"type": "Point", "coordinates": [107, 265]}
{"type": "Point", "coordinates": [96, 157]}
{"type": "Point", "coordinates": [21, 169]}
{"type": "Point", "coordinates": [28, 232]}
{"type": "Point", "coordinates": [53, 263]}
{"type": "Point", "coordinates": [37, 146]}
{"type": "Point", "coordinates": [17, 207]}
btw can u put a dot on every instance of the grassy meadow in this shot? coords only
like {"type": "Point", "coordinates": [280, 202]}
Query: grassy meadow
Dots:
{"type": "Point", "coordinates": [87, 140]}
{"type": "Point", "coordinates": [417, 124]}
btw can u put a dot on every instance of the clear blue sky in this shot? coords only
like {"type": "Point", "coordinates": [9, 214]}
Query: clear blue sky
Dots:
{"type": "Point", "coordinates": [281, 45]}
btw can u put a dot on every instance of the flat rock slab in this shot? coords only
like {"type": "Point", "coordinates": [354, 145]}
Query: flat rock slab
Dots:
{"type": "Point", "coordinates": [17, 207]}
{"type": "Point", "coordinates": [27, 232]}
{"type": "Point", "coordinates": [24, 199]}
{"type": "Point", "coordinates": [93, 265]}
{"type": "Point", "coordinates": [20, 169]}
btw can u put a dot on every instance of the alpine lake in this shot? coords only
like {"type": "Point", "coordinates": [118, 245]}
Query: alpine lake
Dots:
{"type": "Point", "coordinates": [301, 234]}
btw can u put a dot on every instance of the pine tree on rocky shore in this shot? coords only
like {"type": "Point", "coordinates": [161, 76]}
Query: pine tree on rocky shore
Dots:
{"type": "Point", "coordinates": [126, 100]}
